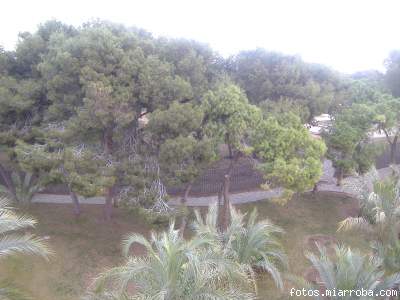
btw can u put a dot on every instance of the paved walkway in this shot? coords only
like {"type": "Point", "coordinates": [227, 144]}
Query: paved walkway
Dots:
{"type": "Point", "coordinates": [238, 198]}
{"type": "Point", "coordinates": [63, 199]}
{"type": "Point", "coordinates": [327, 184]}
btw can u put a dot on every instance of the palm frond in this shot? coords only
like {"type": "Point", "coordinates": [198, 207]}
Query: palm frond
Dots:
{"type": "Point", "coordinates": [12, 293]}
{"type": "Point", "coordinates": [353, 223]}
{"type": "Point", "coordinates": [9, 221]}
{"type": "Point", "coordinates": [131, 239]}
{"type": "Point", "coordinates": [350, 270]}
{"type": "Point", "coordinates": [175, 269]}
{"type": "Point", "coordinates": [28, 244]}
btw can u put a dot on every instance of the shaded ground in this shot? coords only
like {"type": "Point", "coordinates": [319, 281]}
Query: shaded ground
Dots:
{"type": "Point", "coordinates": [86, 247]}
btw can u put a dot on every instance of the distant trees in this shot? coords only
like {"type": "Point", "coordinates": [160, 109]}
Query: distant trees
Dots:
{"type": "Point", "coordinates": [348, 140]}
{"type": "Point", "coordinates": [73, 100]}
{"type": "Point", "coordinates": [392, 76]}
{"type": "Point", "coordinates": [271, 76]}
{"type": "Point", "coordinates": [194, 62]}
{"type": "Point", "coordinates": [285, 106]}
{"type": "Point", "coordinates": [388, 121]}
{"type": "Point", "coordinates": [372, 93]}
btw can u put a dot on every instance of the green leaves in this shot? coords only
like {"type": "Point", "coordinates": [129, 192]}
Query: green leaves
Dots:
{"type": "Point", "coordinates": [230, 117]}
{"type": "Point", "coordinates": [289, 156]}
{"type": "Point", "coordinates": [350, 270]}
{"type": "Point", "coordinates": [79, 168]}
{"type": "Point", "coordinates": [175, 268]}
{"type": "Point", "coordinates": [182, 147]}
{"type": "Point", "coordinates": [12, 242]}
{"type": "Point", "coordinates": [179, 119]}
{"type": "Point", "coordinates": [186, 157]}
{"type": "Point", "coordinates": [271, 76]}
{"type": "Point", "coordinates": [392, 77]}
{"type": "Point", "coordinates": [348, 139]}
{"type": "Point", "coordinates": [253, 244]}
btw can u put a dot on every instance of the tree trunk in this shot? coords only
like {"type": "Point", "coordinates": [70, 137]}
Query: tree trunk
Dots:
{"type": "Point", "coordinates": [108, 149]}
{"type": "Point", "coordinates": [8, 181]}
{"type": "Point", "coordinates": [75, 201]}
{"type": "Point", "coordinates": [393, 147]}
{"type": "Point", "coordinates": [220, 194]}
{"type": "Point", "coordinates": [339, 177]}
{"type": "Point", "coordinates": [226, 216]}
{"type": "Point", "coordinates": [139, 114]}
{"type": "Point", "coordinates": [230, 151]}
{"type": "Point", "coordinates": [220, 210]}
{"type": "Point", "coordinates": [115, 202]}
{"type": "Point", "coordinates": [108, 206]}
{"type": "Point", "coordinates": [315, 188]}
{"type": "Point", "coordinates": [183, 204]}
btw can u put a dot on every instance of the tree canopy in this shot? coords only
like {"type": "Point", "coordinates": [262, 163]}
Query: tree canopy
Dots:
{"type": "Point", "coordinates": [273, 76]}
{"type": "Point", "coordinates": [74, 100]}
{"type": "Point", "coordinates": [392, 76]}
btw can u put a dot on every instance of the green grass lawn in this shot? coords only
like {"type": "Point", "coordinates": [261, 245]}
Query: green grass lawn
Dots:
{"type": "Point", "coordinates": [85, 247]}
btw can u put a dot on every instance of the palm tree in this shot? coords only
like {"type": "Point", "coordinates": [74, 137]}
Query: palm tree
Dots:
{"type": "Point", "coordinates": [387, 254]}
{"type": "Point", "coordinates": [13, 242]}
{"type": "Point", "coordinates": [252, 244]}
{"type": "Point", "coordinates": [173, 269]}
{"type": "Point", "coordinates": [348, 271]}
{"type": "Point", "coordinates": [22, 187]}
{"type": "Point", "coordinates": [379, 210]}
{"type": "Point", "coordinates": [106, 295]}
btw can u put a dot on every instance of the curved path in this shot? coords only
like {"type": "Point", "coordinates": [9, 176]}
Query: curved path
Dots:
{"type": "Point", "coordinates": [325, 185]}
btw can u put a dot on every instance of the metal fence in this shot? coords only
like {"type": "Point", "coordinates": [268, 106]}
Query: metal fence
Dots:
{"type": "Point", "coordinates": [244, 177]}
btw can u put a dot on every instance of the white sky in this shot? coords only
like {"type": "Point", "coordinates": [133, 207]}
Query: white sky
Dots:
{"type": "Point", "coordinates": [348, 35]}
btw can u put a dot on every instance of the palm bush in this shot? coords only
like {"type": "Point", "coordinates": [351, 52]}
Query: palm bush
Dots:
{"type": "Point", "coordinates": [379, 210]}
{"type": "Point", "coordinates": [12, 242]}
{"type": "Point", "coordinates": [253, 244]}
{"type": "Point", "coordinates": [387, 255]}
{"type": "Point", "coordinates": [174, 269]}
{"type": "Point", "coordinates": [25, 187]}
{"type": "Point", "coordinates": [351, 271]}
